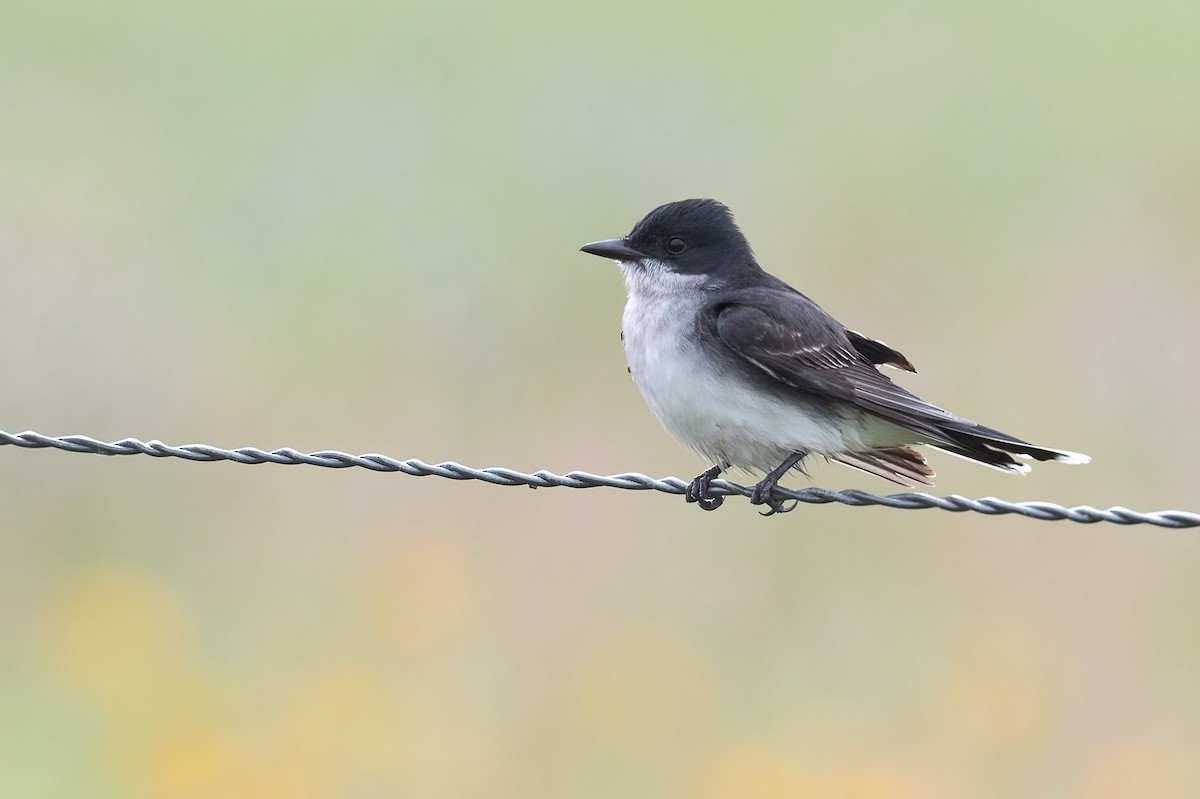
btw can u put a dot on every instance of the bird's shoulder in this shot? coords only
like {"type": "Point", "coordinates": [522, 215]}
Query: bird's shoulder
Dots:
{"type": "Point", "coordinates": [781, 323]}
{"type": "Point", "coordinates": [777, 315]}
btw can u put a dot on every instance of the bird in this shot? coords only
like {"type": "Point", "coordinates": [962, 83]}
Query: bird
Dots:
{"type": "Point", "coordinates": [755, 376]}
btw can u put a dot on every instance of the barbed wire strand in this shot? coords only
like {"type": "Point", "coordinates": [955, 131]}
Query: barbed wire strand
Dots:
{"type": "Point", "coordinates": [332, 459]}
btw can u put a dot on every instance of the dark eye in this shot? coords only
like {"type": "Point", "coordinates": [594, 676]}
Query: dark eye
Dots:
{"type": "Point", "coordinates": [676, 245]}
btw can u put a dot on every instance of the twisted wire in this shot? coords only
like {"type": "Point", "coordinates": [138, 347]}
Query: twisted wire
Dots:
{"type": "Point", "coordinates": [333, 459]}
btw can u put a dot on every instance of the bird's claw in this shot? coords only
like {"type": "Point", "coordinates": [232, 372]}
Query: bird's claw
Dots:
{"type": "Point", "coordinates": [700, 490]}
{"type": "Point", "coordinates": [762, 496]}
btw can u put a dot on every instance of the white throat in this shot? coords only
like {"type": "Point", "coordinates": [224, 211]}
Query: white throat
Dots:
{"type": "Point", "coordinates": [652, 279]}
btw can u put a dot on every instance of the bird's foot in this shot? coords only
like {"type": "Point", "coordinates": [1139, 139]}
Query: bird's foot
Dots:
{"type": "Point", "coordinates": [762, 492]}
{"type": "Point", "coordinates": [762, 496]}
{"type": "Point", "coordinates": [700, 490]}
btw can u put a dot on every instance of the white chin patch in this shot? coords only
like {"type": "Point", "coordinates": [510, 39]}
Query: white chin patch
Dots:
{"type": "Point", "coordinates": [650, 277]}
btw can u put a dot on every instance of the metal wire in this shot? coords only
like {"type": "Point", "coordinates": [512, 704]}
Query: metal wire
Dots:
{"type": "Point", "coordinates": [332, 459]}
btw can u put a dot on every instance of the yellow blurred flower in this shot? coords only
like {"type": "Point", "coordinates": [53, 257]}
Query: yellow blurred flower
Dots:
{"type": "Point", "coordinates": [119, 637]}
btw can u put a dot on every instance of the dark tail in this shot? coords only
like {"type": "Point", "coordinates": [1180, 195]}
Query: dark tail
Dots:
{"type": "Point", "coordinates": [993, 448]}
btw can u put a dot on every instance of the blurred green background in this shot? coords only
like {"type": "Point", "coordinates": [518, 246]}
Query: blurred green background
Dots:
{"type": "Point", "coordinates": [355, 226]}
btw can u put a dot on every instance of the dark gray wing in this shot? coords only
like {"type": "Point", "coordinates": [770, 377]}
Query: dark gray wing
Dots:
{"type": "Point", "coordinates": [792, 340]}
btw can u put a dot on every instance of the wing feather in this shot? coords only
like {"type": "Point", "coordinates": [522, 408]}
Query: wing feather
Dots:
{"type": "Point", "coordinates": [879, 353]}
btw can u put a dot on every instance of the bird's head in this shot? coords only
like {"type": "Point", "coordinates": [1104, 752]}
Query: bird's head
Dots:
{"type": "Point", "coordinates": [689, 237]}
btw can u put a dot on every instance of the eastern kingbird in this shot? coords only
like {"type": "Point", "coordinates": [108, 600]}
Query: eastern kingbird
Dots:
{"type": "Point", "coordinates": [753, 375]}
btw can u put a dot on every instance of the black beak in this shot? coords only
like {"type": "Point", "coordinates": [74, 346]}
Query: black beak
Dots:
{"type": "Point", "coordinates": [616, 249]}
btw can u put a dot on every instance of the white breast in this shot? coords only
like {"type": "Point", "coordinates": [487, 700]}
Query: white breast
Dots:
{"type": "Point", "coordinates": [720, 416]}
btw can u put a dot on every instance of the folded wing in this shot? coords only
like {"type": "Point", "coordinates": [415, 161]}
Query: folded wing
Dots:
{"type": "Point", "coordinates": [792, 340]}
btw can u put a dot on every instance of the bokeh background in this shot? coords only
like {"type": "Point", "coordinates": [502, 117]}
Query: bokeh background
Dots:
{"type": "Point", "coordinates": [355, 226]}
